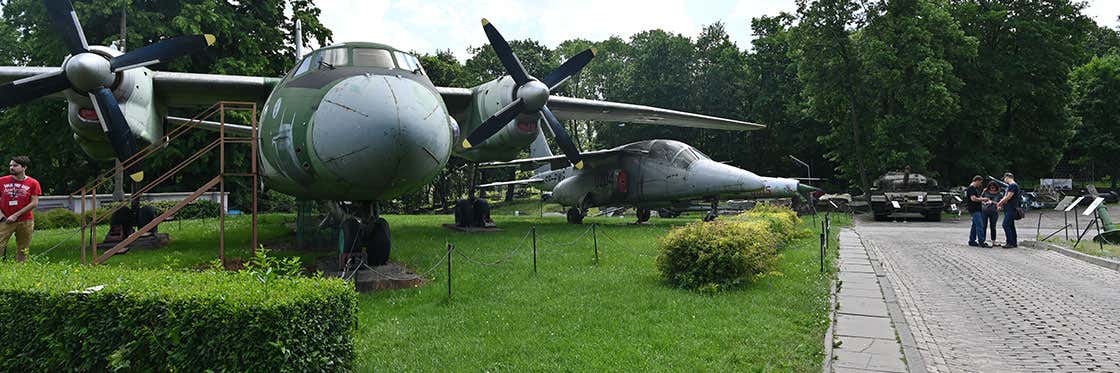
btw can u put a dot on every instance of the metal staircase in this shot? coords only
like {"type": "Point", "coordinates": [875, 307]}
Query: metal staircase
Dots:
{"type": "Point", "coordinates": [220, 109]}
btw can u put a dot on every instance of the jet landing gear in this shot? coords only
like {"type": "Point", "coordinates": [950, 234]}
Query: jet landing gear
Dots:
{"type": "Point", "coordinates": [577, 213]}
{"type": "Point", "coordinates": [643, 215]}
{"type": "Point", "coordinates": [714, 212]}
{"type": "Point", "coordinates": [361, 227]}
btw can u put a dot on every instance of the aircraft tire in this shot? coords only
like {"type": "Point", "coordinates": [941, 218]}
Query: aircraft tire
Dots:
{"type": "Point", "coordinates": [575, 216]}
{"type": "Point", "coordinates": [378, 243]}
{"type": "Point", "coordinates": [711, 216]}
{"type": "Point", "coordinates": [643, 215]}
{"type": "Point", "coordinates": [146, 215]}
{"type": "Point", "coordinates": [934, 215]}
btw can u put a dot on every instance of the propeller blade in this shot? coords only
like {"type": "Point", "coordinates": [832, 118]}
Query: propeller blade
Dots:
{"type": "Point", "coordinates": [570, 67]}
{"type": "Point", "coordinates": [494, 123]}
{"type": "Point", "coordinates": [30, 88]}
{"type": "Point", "coordinates": [114, 124]}
{"type": "Point", "coordinates": [562, 139]}
{"type": "Point", "coordinates": [505, 53]}
{"type": "Point", "coordinates": [65, 22]}
{"type": "Point", "coordinates": [162, 51]}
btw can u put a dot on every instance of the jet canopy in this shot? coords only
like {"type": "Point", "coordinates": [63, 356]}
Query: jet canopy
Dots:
{"type": "Point", "coordinates": [677, 153]}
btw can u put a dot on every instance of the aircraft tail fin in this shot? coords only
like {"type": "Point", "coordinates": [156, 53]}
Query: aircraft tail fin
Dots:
{"type": "Point", "coordinates": [539, 148]}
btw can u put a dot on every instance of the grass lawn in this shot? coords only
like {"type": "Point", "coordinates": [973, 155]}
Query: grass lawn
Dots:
{"type": "Point", "coordinates": [571, 315]}
{"type": "Point", "coordinates": [1088, 246]}
{"type": "Point", "coordinates": [575, 315]}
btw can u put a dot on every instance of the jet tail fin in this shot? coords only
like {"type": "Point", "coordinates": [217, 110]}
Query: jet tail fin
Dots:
{"type": "Point", "coordinates": [538, 149]}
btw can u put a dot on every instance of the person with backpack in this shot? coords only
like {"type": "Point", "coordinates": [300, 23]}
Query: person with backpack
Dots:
{"type": "Point", "coordinates": [1011, 204]}
{"type": "Point", "coordinates": [993, 193]}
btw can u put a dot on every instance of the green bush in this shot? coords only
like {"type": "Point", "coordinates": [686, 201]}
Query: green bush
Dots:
{"type": "Point", "coordinates": [783, 221]}
{"type": "Point", "coordinates": [720, 255]}
{"type": "Point", "coordinates": [153, 320]}
{"type": "Point", "coordinates": [57, 218]}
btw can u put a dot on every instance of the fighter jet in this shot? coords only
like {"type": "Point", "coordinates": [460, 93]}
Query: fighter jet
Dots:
{"type": "Point", "coordinates": [356, 122]}
{"type": "Point", "coordinates": [646, 175]}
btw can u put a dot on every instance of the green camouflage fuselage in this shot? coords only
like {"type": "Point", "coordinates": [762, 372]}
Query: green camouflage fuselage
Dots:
{"type": "Point", "coordinates": [353, 133]}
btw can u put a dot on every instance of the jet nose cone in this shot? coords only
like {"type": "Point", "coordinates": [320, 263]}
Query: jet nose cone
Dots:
{"type": "Point", "coordinates": [712, 177]}
{"type": "Point", "coordinates": [802, 188]}
{"type": "Point", "coordinates": [385, 134]}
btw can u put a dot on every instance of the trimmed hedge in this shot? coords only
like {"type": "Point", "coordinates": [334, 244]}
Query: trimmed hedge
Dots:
{"type": "Point", "coordinates": [718, 255]}
{"type": "Point", "coordinates": [57, 218]}
{"type": "Point", "coordinates": [153, 320]}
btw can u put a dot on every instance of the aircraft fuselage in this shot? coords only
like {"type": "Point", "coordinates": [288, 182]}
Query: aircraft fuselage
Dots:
{"type": "Point", "coordinates": [348, 123]}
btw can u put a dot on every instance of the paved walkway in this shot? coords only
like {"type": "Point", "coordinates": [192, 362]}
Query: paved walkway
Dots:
{"type": "Point", "coordinates": [994, 309]}
{"type": "Point", "coordinates": [863, 326]}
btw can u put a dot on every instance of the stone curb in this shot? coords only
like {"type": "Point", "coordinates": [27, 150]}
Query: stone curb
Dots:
{"type": "Point", "coordinates": [1106, 263]}
{"type": "Point", "coordinates": [914, 361]}
{"type": "Point", "coordinates": [828, 334]}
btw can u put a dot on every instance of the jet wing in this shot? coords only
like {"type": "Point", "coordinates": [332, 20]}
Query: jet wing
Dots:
{"type": "Point", "coordinates": [568, 108]}
{"type": "Point", "coordinates": [513, 182]}
{"type": "Point", "coordinates": [179, 89]}
{"type": "Point", "coordinates": [591, 159]}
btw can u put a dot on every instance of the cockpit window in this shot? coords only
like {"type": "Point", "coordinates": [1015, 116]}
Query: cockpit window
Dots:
{"type": "Point", "coordinates": [684, 158]}
{"type": "Point", "coordinates": [306, 64]}
{"type": "Point", "coordinates": [409, 62]}
{"type": "Point", "coordinates": [370, 57]}
{"type": "Point", "coordinates": [328, 58]}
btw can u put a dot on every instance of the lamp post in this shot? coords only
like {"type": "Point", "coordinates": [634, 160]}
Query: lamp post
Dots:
{"type": "Point", "coordinates": [808, 171]}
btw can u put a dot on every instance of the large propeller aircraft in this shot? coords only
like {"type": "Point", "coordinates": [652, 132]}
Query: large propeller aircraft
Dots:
{"type": "Point", "coordinates": [646, 175]}
{"type": "Point", "coordinates": [356, 122]}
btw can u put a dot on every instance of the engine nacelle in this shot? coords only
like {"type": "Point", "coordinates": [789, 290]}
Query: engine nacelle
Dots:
{"type": "Point", "coordinates": [133, 90]}
{"type": "Point", "coordinates": [487, 99]}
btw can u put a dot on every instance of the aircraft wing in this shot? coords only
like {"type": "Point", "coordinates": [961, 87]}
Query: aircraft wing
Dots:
{"type": "Point", "coordinates": [179, 89]}
{"type": "Point", "coordinates": [513, 182]}
{"type": "Point", "coordinates": [591, 159]}
{"type": "Point", "coordinates": [194, 90]}
{"type": "Point", "coordinates": [568, 108]}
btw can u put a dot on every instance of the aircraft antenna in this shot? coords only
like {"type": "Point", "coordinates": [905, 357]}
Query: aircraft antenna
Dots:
{"type": "Point", "coordinates": [299, 40]}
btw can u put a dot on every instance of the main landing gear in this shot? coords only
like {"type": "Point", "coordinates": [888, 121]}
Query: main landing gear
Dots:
{"type": "Point", "coordinates": [362, 227]}
{"type": "Point", "coordinates": [714, 212]}
{"type": "Point", "coordinates": [643, 215]}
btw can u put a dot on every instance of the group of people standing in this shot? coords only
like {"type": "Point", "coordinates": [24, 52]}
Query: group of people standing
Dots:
{"type": "Point", "coordinates": [986, 202]}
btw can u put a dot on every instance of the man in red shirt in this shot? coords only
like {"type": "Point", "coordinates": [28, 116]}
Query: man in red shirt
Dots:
{"type": "Point", "coordinates": [18, 197]}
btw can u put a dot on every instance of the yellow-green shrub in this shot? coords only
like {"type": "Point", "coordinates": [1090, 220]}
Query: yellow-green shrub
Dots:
{"type": "Point", "coordinates": [783, 221]}
{"type": "Point", "coordinates": [716, 255]}
{"type": "Point", "coordinates": [57, 218]}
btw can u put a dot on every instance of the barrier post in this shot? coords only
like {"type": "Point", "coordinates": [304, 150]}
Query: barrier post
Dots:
{"type": "Point", "coordinates": [450, 247]}
{"type": "Point", "coordinates": [534, 230]}
{"type": "Point", "coordinates": [595, 241]}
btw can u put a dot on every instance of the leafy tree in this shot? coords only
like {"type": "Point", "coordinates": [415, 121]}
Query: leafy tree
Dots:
{"type": "Point", "coordinates": [912, 91]}
{"type": "Point", "coordinates": [719, 89]}
{"type": "Point", "coordinates": [253, 39]}
{"type": "Point", "coordinates": [829, 66]}
{"type": "Point", "coordinates": [773, 98]}
{"type": "Point", "coordinates": [1018, 82]}
{"type": "Point", "coordinates": [1096, 95]}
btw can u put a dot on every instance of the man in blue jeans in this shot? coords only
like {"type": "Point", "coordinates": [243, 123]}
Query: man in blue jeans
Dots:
{"type": "Point", "coordinates": [974, 199]}
{"type": "Point", "coordinates": [1010, 204]}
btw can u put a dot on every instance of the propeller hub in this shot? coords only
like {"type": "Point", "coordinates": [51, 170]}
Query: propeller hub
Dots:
{"type": "Point", "coordinates": [88, 71]}
{"type": "Point", "coordinates": [534, 94]}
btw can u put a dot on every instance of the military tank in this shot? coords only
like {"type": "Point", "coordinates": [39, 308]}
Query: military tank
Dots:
{"type": "Point", "coordinates": [899, 193]}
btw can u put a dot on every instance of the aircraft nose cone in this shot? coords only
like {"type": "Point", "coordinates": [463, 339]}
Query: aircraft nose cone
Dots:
{"type": "Point", "coordinates": [711, 177]}
{"type": "Point", "coordinates": [383, 134]}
